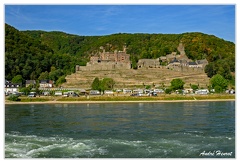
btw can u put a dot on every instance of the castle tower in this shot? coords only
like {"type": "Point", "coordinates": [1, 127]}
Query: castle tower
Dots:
{"type": "Point", "coordinates": [181, 49]}
{"type": "Point", "coordinates": [124, 48]}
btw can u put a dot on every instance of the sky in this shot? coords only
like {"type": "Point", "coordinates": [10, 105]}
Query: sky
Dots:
{"type": "Point", "coordinates": [92, 20]}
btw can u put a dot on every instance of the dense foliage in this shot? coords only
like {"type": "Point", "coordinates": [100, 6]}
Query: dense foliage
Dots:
{"type": "Point", "coordinates": [31, 59]}
{"type": "Point", "coordinates": [219, 83]}
{"type": "Point", "coordinates": [177, 84]}
{"type": "Point", "coordinates": [102, 85]}
{"type": "Point", "coordinates": [219, 53]}
{"type": "Point", "coordinates": [13, 97]}
{"type": "Point", "coordinates": [30, 53]}
{"type": "Point", "coordinates": [96, 84]}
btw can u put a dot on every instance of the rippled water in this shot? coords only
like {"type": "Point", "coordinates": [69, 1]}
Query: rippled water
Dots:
{"type": "Point", "coordinates": [136, 130]}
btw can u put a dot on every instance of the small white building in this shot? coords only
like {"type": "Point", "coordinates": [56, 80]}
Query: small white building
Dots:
{"type": "Point", "coordinates": [158, 90]}
{"type": "Point", "coordinates": [202, 92]}
{"type": "Point", "coordinates": [94, 92]}
{"type": "Point", "coordinates": [58, 94]}
{"type": "Point", "coordinates": [126, 91]}
{"type": "Point", "coordinates": [108, 92]}
{"type": "Point", "coordinates": [12, 87]}
{"type": "Point", "coordinates": [139, 91]}
{"type": "Point", "coordinates": [46, 84]}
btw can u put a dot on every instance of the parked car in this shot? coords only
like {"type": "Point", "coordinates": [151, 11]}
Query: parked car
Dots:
{"type": "Point", "coordinates": [32, 94]}
{"type": "Point", "coordinates": [134, 94]}
{"type": "Point", "coordinates": [94, 92]}
{"type": "Point", "coordinates": [153, 94]}
{"type": "Point", "coordinates": [58, 93]}
{"type": "Point", "coordinates": [65, 94]}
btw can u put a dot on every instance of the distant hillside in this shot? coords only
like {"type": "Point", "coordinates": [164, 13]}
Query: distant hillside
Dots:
{"type": "Point", "coordinates": [30, 58]}
{"type": "Point", "coordinates": [219, 53]}
{"type": "Point", "coordinates": [197, 45]}
{"type": "Point", "coordinates": [31, 53]}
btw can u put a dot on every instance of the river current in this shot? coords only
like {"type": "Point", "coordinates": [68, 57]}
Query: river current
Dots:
{"type": "Point", "coordinates": [122, 130]}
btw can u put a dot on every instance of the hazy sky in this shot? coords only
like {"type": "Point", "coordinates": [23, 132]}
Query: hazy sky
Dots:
{"type": "Point", "coordinates": [218, 20]}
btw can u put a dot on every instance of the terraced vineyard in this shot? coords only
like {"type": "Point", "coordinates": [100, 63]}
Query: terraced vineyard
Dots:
{"type": "Point", "coordinates": [137, 78]}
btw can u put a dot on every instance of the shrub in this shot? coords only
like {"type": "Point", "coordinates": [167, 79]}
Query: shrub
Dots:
{"type": "Point", "coordinates": [177, 84]}
{"type": "Point", "coordinates": [13, 98]}
{"type": "Point", "coordinates": [168, 91]}
{"type": "Point", "coordinates": [218, 89]}
{"type": "Point", "coordinates": [194, 87]}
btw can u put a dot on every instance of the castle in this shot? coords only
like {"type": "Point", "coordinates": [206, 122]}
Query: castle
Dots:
{"type": "Point", "coordinates": [173, 60]}
{"type": "Point", "coordinates": [121, 60]}
{"type": "Point", "coordinates": [107, 61]}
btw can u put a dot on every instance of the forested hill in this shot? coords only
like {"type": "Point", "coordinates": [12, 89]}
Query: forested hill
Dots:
{"type": "Point", "coordinates": [219, 53]}
{"type": "Point", "coordinates": [197, 45]}
{"type": "Point", "coordinates": [32, 59]}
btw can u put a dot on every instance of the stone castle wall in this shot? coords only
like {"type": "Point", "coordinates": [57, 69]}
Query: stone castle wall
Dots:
{"type": "Point", "coordinates": [103, 66]}
{"type": "Point", "coordinates": [185, 68]}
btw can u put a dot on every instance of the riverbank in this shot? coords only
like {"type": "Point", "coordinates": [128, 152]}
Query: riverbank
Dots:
{"type": "Point", "coordinates": [122, 99]}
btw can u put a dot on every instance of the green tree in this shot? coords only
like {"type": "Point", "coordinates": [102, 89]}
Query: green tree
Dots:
{"type": "Point", "coordinates": [25, 90]}
{"type": "Point", "coordinates": [60, 80]}
{"type": "Point", "coordinates": [107, 84]}
{"type": "Point", "coordinates": [194, 87]}
{"type": "Point", "coordinates": [44, 76]}
{"type": "Point", "coordinates": [168, 90]}
{"type": "Point", "coordinates": [55, 74]}
{"type": "Point", "coordinates": [37, 88]}
{"type": "Point", "coordinates": [17, 79]}
{"type": "Point", "coordinates": [96, 84]}
{"type": "Point", "coordinates": [177, 84]}
{"type": "Point", "coordinates": [13, 98]}
{"type": "Point", "coordinates": [148, 87]}
{"type": "Point", "coordinates": [210, 70]}
{"type": "Point", "coordinates": [218, 89]}
{"type": "Point", "coordinates": [219, 81]}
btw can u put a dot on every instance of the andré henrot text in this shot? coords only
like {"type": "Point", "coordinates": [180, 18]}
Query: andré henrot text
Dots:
{"type": "Point", "coordinates": [216, 153]}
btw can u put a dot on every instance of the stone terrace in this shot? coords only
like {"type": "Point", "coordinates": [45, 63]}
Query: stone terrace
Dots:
{"type": "Point", "coordinates": [136, 78]}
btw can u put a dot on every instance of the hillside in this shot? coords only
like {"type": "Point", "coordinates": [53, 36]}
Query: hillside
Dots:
{"type": "Point", "coordinates": [31, 58]}
{"type": "Point", "coordinates": [197, 45]}
{"type": "Point", "coordinates": [51, 55]}
{"type": "Point", "coordinates": [219, 53]}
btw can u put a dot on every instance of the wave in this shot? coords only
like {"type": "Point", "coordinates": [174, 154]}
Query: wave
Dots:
{"type": "Point", "coordinates": [32, 146]}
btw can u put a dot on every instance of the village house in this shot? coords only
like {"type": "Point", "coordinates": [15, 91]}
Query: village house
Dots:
{"type": "Point", "coordinates": [30, 82]}
{"type": "Point", "coordinates": [46, 84]}
{"type": "Point", "coordinates": [193, 64]}
{"type": "Point", "coordinates": [12, 87]}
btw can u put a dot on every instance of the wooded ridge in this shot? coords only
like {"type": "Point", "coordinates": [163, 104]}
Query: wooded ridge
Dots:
{"type": "Point", "coordinates": [41, 54]}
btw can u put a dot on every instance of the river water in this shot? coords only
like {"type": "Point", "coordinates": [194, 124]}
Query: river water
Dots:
{"type": "Point", "coordinates": [123, 130]}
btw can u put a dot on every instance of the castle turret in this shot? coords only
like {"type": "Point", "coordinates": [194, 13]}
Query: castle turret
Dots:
{"type": "Point", "coordinates": [124, 48]}
{"type": "Point", "coordinates": [181, 49]}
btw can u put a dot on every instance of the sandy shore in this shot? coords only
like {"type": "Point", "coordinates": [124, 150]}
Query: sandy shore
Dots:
{"type": "Point", "coordinates": [95, 102]}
